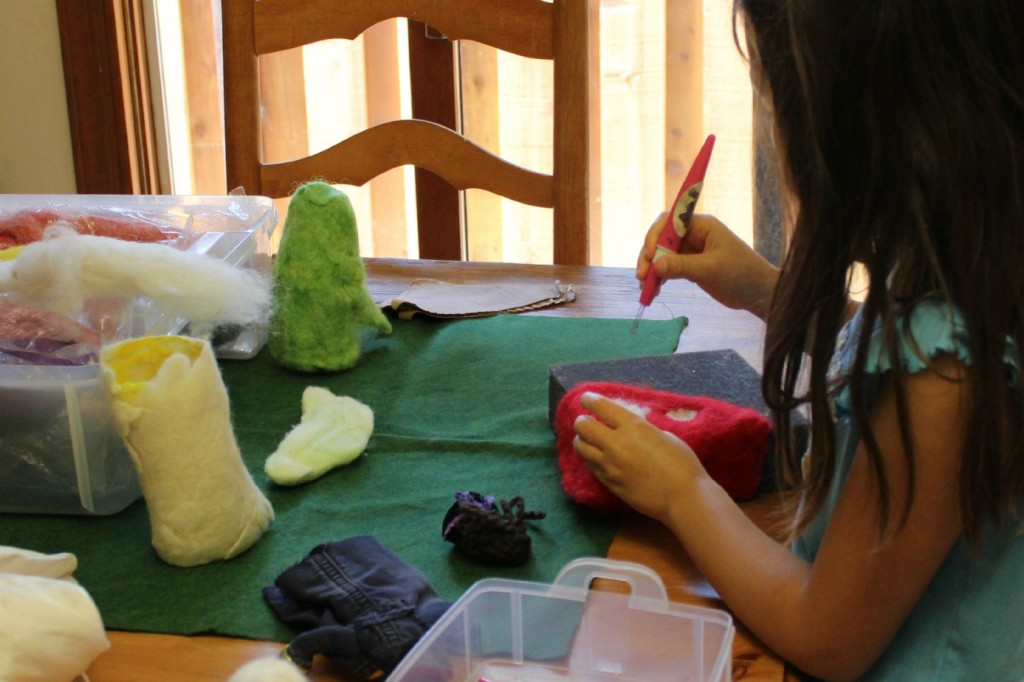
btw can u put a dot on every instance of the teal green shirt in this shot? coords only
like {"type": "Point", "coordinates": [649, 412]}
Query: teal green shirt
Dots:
{"type": "Point", "coordinates": [969, 624]}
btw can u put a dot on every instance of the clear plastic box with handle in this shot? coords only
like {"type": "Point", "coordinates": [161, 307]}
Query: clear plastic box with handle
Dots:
{"type": "Point", "coordinates": [505, 630]}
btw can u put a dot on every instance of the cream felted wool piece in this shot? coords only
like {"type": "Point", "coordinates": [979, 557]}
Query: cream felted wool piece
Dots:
{"type": "Point", "coordinates": [26, 562]}
{"type": "Point", "coordinates": [334, 430]}
{"type": "Point", "coordinates": [50, 628]}
{"type": "Point", "coordinates": [268, 670]}
{"type": "Point", "coordinates": [171, 408]}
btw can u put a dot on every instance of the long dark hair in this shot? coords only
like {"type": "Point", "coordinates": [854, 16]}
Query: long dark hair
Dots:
{"type": "Point", "coordinates": [899, 126]}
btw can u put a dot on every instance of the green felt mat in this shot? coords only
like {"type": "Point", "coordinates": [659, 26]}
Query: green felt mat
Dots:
{"type": "Point", "coordinates": [458, 405]}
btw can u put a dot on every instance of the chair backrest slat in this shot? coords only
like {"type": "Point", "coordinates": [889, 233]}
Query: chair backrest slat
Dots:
{"type": "Point", "coordinates": [423, 144]}
{"type": "Point", "coordinates": [523, 27]}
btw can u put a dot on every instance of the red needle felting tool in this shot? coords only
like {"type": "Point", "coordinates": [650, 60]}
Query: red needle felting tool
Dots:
{"type": "Point", "coordinates": [676, 225]}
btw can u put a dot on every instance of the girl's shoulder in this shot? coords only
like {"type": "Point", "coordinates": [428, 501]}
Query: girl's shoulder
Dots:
{"type": "Point", "coordinates": [923, 331]}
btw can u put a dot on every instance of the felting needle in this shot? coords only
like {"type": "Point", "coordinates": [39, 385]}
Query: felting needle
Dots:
{"type": "Point", "coordinates": [676, 224]}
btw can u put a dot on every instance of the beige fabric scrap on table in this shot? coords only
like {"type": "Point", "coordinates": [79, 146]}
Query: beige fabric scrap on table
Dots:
{"type": "Point", "coordinates": [448, 300]}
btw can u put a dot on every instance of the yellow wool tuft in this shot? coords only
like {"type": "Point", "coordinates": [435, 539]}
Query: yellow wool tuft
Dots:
{"type": "Point", "coordinates": [10, 253]}
{"type": "Point", "coordinates": [137, 361]}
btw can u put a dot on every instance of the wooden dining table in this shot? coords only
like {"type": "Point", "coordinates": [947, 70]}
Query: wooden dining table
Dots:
{"type": "Point", "coordinates": [601, 292]}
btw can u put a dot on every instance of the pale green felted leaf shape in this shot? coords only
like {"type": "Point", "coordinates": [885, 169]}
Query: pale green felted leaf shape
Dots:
{"type": "Point", "coordinates": [334, 430]}
{"type": "Point", "coordinates": [321, 305]}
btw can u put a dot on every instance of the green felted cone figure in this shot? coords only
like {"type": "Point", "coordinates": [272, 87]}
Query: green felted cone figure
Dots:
{"type": "Point", "coordinates": [321, 305]}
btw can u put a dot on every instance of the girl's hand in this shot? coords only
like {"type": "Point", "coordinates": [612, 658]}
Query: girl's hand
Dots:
{"type": "Point", "coordinates": [717, 261]}
{"type": "Point", "coordinates": [646, 467]}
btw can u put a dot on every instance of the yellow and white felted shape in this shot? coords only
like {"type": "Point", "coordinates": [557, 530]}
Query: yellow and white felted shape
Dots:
{"type": "Point", "coordinates": [50, 628]}
{"type": "Point", "coordinates": [171, 408]}
{"type": "Point", "coordinates": [334, 430]}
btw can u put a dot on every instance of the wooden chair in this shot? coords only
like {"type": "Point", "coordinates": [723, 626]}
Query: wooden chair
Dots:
{"type": "Point", "coordinates": [557, 30]}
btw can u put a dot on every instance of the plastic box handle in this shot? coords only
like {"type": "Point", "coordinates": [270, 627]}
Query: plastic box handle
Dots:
{"type": "Point", "coordinates": [643, 582]}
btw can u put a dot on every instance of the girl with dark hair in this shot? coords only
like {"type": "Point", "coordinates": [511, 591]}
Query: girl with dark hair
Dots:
{"type": "Point", "coordinates": [899, 130]}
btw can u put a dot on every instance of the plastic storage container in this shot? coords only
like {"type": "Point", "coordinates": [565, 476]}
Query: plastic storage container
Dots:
{"type": "Point", "coordinates": [505, 631]}
{"type": "Point", "coordinates": [59, 450]}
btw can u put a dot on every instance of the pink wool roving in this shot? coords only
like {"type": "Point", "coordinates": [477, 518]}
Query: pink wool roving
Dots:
{"type": "Point", "coordinates": [730, 441]}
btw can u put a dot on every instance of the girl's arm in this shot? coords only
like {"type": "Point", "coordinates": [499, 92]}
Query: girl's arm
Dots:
{"type": "Point", "coordinates": [835, 617]}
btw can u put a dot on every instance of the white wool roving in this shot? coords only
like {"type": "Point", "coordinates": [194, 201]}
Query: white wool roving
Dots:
{"type": "Point", "coordinates": [61, 273]}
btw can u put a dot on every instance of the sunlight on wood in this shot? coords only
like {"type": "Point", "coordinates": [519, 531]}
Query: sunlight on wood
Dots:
{"type": "Point", "coordinates": [728, 106]}
{"type": "Point", "coordinates": [633, 124]}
